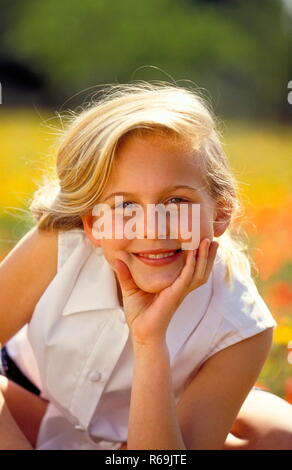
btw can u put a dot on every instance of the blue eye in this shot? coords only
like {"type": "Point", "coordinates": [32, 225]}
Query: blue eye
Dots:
{"type": "Point", "coordinates": [122, 205]}
{"type": "Point", "coordinates": [180, 199]}
{"type": "Point", "coordinates": [130, 202]}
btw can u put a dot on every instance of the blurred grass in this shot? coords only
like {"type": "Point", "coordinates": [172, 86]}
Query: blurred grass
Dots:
{"type": "Point", "coordinates": [27, 149]}
{"type": "Point", "coordinates": [260, 157]}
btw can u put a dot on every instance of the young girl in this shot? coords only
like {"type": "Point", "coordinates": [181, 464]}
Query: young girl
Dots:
{"type": "Point", "coordinates": [136, 342]}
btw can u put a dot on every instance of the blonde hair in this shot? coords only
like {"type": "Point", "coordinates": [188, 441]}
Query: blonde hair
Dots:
{"type": "Point", "coordinates": [87, 150]}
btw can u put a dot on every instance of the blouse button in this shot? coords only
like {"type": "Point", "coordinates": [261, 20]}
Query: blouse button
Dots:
{"type": "Point", "coordinates": [79, 427]}
{"type": "Point", "coordinates": [95, 376]}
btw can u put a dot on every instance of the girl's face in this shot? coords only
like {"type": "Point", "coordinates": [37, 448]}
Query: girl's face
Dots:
{"type": "Point", "coordinates": [149, 168]}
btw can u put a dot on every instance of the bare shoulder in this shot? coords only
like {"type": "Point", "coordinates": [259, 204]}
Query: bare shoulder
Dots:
{"type": "Point", "coordinates": [24, 275]}
{"type": "Point", "coordinates": [36, 245]}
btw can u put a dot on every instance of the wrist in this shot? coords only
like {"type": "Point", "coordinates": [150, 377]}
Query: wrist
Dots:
{"type": "Point", "coordinates": [155, 347]}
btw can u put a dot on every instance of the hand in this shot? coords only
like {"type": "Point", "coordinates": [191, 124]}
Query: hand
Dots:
{"type": "Point", "coordinates": [148, 315]}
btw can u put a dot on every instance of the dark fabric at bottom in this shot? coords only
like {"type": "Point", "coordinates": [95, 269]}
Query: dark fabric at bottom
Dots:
{"type": "Point", "coordinates": [12, 372]}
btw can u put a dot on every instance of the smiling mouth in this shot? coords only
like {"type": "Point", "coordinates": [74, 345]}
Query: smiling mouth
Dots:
{"type": "Point", "coordinates": [167, 254]}
{"type": "Point", "coordinates": [158, 259]}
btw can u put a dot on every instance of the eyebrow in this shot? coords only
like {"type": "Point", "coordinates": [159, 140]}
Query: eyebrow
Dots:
{"type": "Point", "coordinates": [166, 190]}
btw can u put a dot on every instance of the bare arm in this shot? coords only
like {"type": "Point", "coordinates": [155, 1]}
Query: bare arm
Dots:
{"type": "Point", "coordinates": [210, 403]}
{"type": "Point", "coordinates": [212, 400]}
{"type": "Point", "coordinates": [153, 421]}
{"type": "Point", "coordinates": [24, 275]}
{"type": "Point", "coordinates": [208, 406]}
{"type": "Point", "coordinates": [11, 438]}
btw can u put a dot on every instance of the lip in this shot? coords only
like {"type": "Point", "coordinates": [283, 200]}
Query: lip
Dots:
{"type": "Point", "coordinates": [161, 261]}
{"type": "Point", "coordinates": [155, 252]}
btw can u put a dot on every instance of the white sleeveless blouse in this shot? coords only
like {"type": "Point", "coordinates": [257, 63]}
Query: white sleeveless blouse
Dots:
{"type": "Point", "coordinates": [77, 349]}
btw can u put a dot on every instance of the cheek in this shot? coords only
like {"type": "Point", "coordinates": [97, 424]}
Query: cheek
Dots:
{"type": "Point", "coordinates": [111, 247]}
{"type": "Point", "coordinates": [196, 224]}
{"type": "Point", "coordinates": [113, 224]}
{"type": "Point", "coordinates": [189, 223]}
{"type": "Point", "coordinates": [206, 224]}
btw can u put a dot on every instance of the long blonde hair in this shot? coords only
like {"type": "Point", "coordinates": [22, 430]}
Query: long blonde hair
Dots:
{"type": "Point", "coordinates": [86, 156]}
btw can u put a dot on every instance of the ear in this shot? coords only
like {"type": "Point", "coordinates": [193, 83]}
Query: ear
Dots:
{"type": "Point", "coordinates": [88, 220]}
{"type": "Point", "coordinates": [222, 218]}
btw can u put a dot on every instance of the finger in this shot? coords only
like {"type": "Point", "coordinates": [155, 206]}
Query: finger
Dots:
{"type": "Point", "coordinates": [202, 276]}
{"type": "Point", "coordinates": [128, 286]}
{"type": "Point", "coordinates": [212, 255]}
{"type": "Point", "coordinates": [186, 275]}
{"type": "Point", "coordinates": [201, 261]}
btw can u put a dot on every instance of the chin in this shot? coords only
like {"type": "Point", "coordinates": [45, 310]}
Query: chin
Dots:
{"type": "Point", "coordinates": [153, 287]}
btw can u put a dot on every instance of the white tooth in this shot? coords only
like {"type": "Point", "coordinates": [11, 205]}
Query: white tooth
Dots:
{"type": "Point", "coordinates": [161, 255]}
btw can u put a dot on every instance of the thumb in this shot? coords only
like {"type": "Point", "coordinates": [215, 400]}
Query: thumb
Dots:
{"type": "Point", "coordinates": [125, 278]}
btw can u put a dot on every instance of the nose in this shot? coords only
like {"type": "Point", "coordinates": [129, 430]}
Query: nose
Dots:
{"type": "Point", "coordinates": [156, 222]}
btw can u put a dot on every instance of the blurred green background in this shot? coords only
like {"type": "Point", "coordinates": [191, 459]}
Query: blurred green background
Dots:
{"type": "Point", "coordinates": [55, 56]}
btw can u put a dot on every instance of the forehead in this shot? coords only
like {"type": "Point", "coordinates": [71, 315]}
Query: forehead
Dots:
{"type": "Point", "coordinates": [152, 160]}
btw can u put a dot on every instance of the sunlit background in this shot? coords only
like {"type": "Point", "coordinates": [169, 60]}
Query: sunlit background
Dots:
{"type": "Point", "coordinates": [238, 53]}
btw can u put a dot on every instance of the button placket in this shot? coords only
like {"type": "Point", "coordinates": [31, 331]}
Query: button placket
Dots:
{"type": "Point", "coordinates": [87, 391]}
